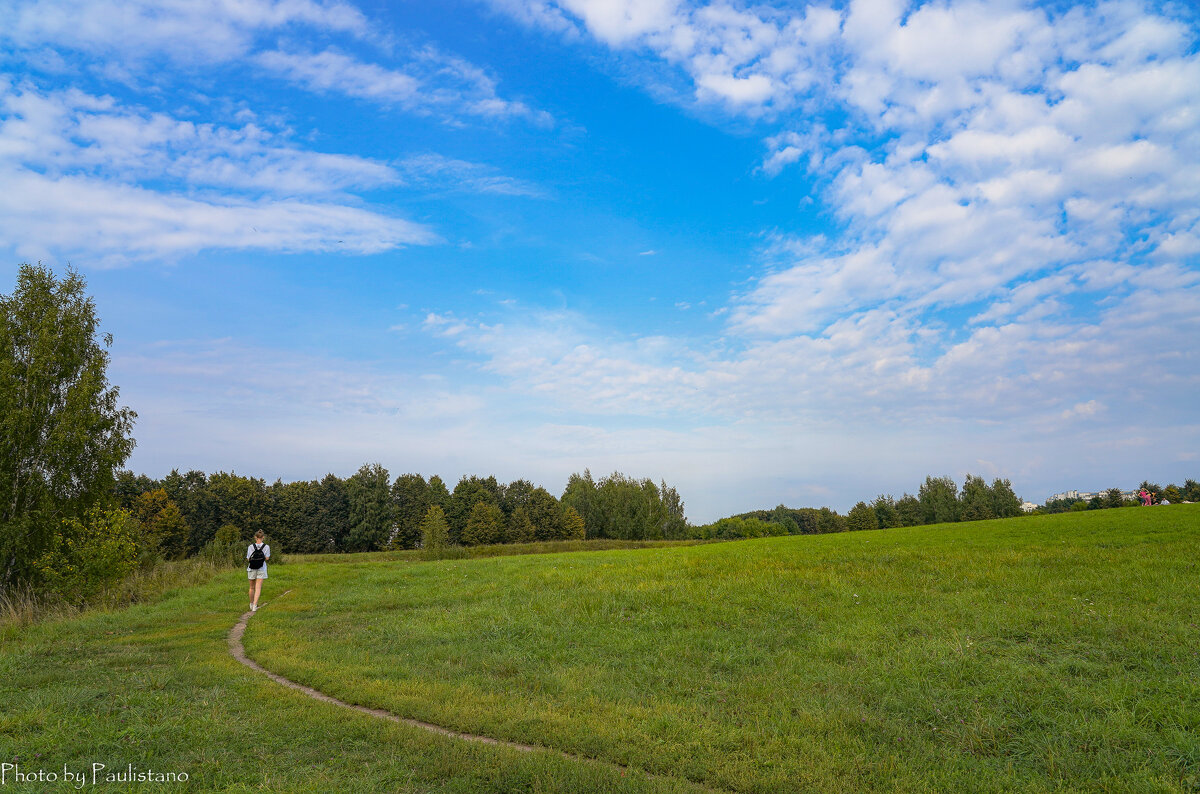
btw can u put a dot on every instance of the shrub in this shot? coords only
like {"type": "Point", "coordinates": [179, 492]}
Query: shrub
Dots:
{"type": "Point", "coordinates": [736, 528]}
{"type": "Point", "coordinates": [435, 532]}
{"type": "Point", "coordinates": [573, 525]}
{"type": "Point", "coordinates": [84, 557]}
{"type": "Point", "coordinates": [862, 517]}
{"type": "Point", "coordinates": [485, 525]}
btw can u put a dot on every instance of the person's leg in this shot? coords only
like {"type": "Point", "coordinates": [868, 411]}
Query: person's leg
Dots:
{"type": "Point", "coordinates": [257, 590]}
{"type": "Point", "coordinates": [250, 593]}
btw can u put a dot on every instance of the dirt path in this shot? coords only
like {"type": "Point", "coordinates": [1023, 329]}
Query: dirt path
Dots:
{"type": "Point", "coordinates": [238, 651]}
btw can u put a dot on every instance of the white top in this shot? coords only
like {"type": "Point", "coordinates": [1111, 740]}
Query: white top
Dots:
{"type": "Point", "coordinates": [266, 553]}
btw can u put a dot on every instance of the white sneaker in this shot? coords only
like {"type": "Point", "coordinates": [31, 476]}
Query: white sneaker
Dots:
{"type": "Point", "coordinates": [254, 607]}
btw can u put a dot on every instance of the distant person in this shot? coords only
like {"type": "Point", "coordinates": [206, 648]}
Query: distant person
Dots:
{"type": "Point", "coordinates": [257, 554]}
{"type": "Point", "coordinates": [1144, 495]}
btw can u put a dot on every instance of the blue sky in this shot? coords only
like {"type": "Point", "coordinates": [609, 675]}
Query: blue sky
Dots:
{"type": "Point", "coordinates": [769, 253]}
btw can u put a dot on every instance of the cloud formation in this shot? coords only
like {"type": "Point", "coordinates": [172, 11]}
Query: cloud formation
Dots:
{"type": "Point", "coordinates": [102, 178]}
{"type": "Point", "coordinates": [1015, 193]}
{"type": "Point", "coordinates": [73, 165]}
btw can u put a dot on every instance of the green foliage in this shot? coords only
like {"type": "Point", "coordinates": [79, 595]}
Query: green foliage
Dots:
{"type": "Point", "coordinates": [939, 500]}
{"type": "Point", "coordinates": [62, 433]}
{"type": "Point", "coordinates": [226, 549]}
{"type": "Point", "coordinates": [886, 513]}
{"type": "Point", "coordinates": [520, 528]}
{"type": "Point", "coordinates": [225, 555]}
{"type": "Point", "coordinates": [333, 514]}
{"type": "Point", "coordinates": [190, 492]}
{"type": "Point", "coordinates": [829, 521]}
{"type": "Point", "coordinates": [516, 494]}
{"type": "Point", "coordinates": [372, 515]}
{"type": "Point", "coordinates": [1005, 502]}
{"type": "Point", "coordinates": [435, 532]}
{"type": "Point", "coordinates": [85, 556]}
{"type": "Point", "coordinates": [808, 519]}
{"type": "Point", "coordinates": [861, 517]}
{"type": "Point", "coordinates": [485, 525]}
{"type": "Point", "coordinates": [411, 500]}
{"type": "Point", "coordinates": [674, 520]}
{"type": "Point", "coordinates": [128, 486]}
{"type": "Point", "coordinates": [909, 510]}
{"type": "Point", "coordinates": [782, 516]}
{"type": "Point", "coordinates": [573, 526]}
{"type": "Point", "coordinates": [469, 492]}
{"type": "Point", "coordinates": [228, 534]}
{"type": "Point", "coordinates": [737, 528]}
{"type": "Point", "coordinates": [293, 513]}
{"type": "Point", "coordinates": [580, 495]}
{"type": "Point", "coordinates": [438, 494]}
{"type": "Point", "coordinates": [164, 529]}
{"type": "Point", "coordinates": [797, 521]}
{"type": "Point", "coordinates": [976, 502]}
{"type": "Point", "coordinates": [545, 515]}
{"type": "Point", "coordinates": [626, 508]}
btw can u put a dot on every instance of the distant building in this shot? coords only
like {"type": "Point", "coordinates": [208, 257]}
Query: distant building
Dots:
{"type": "Point", "coordinates": [1028, 507]}
{"type": "Point", "coordinates": [1087, 496]}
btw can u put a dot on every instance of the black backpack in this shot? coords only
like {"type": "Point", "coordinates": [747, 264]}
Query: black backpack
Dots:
{"type": "Point", "coordinates": [257, 558]}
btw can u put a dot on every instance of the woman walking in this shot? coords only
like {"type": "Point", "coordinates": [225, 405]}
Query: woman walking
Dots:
{"type": "Point", "coordinates": [257, 554]}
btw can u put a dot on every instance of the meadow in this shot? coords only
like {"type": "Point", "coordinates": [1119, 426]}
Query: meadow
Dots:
{"type": "Point", "coordinates": [1035, 654]}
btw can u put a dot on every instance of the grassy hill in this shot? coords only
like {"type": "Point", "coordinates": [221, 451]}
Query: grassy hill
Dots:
{"type": "Point", "coordinates": [1053, 652]}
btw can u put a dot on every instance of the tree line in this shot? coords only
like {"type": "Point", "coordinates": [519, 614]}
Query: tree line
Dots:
{"type": "Point", "coordinates": [369, 511]}
{"type": "Point", "coordinates": [1115, 497]}
{"type": "Point", "coordinates": [938, 501]}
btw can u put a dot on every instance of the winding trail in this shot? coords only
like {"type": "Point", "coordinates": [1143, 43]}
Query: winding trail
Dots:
{"type": "Point", "coordinates": [238, 651]}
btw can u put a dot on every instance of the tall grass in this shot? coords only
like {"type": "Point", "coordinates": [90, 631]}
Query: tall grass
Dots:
{"type": "Point", "coordinates": [23, 605]}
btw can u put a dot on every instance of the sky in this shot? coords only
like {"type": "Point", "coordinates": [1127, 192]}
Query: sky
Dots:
{"type": "Point", "coordinates": [769, 253]}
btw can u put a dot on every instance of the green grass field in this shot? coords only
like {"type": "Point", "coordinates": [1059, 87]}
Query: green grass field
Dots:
{"type": "Point", "coordinates": [1033, 654]}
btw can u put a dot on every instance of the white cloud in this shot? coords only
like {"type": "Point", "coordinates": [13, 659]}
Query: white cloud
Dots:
{"type": "Point", "coordinates": [1031, 146]}
{"type": "Point", "coordinates": [751, 90]}
{"type": "Point", "coordinates": [183, 30]}
{"type": "Point", "coordinates": [752, 62]}
{"type": "Point", "coordinates": [436, 170]}
{"type": "Point", "coordinates": [1083, 410]}
{"type": "Point", "coordinates": [71, 164]}
{"type": "Point", "coordinates": [879, 365]}
{"type": "Point", "coordinates": [431, 81]}
{"type": "Point", "coordinates": [52, 217]}
{"type": "Point", "coordinates": [332, 71]}
{"type": "Point", "coordinates": [127, 40]}
{"type": "Point", "coordinates": [67, 131]}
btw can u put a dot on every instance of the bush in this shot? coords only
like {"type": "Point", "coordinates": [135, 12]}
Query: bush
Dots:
{"type": "Point", "coordinates": [573, 526]}
{"type": "Point", "coordinates": [736, 528]}
{"type": "Point", "coordinates": [85, 557]}
{"type": "Point", "coordinates": [224, 555]}
{"type": "Point", "coordinates": [862, 517]}
{"type": "Point", "coordinates": [484, 526]}
{"type": "Point", "coordinates": [435, 532]}
{"type": "Point", "coordinates": [228, 550]}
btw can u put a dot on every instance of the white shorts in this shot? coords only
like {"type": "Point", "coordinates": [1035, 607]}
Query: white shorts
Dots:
{"type": "Point", "coordinates": [261, 573]}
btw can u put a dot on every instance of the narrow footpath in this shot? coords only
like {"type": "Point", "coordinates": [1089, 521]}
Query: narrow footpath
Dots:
{"type": "Point", "coordinates": [238, 651]}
